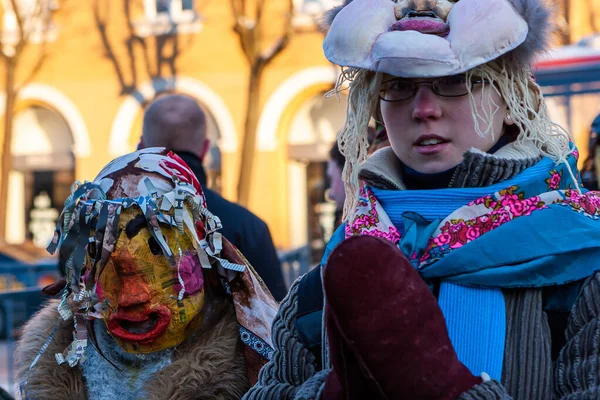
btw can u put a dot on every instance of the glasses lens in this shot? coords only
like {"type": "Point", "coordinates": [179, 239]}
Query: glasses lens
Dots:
{"type": "Point", "coordinates": [451, 86]}
{"type": "Point", "coordinates": [397, 90]}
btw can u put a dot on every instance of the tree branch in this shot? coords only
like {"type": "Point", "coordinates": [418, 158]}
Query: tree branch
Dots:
{"type": "Point", "coordinates": [284, 40]}
{"type": "Point", "coordinates": [36, 68]}
{"type": "Point", "coordinates": [275, 49]}
{"type": "Point", "coordinates": [245, 35]}
{"type": "Point", "coordinates": [101, 26]}
{"type": "Point", "coordinates": [38, 13]}
{"type": "Point", "coordinates": [43, 54]}
{"type": "Point", "coordinates": [592, 12]}
{"type": "Point", "coordinates": [237, 8]}
{"type": "Point", "coordinates": [260, 5]}
{"type": "Point", "coordinates": [21, 25]}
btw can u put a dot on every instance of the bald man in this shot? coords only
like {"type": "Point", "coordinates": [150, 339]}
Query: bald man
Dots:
{"type": "Point", "coordinates": [179, 123]}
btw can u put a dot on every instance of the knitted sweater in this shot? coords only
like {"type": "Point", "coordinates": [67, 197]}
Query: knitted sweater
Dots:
{"type": "Point", "coordinates": [529, 372]}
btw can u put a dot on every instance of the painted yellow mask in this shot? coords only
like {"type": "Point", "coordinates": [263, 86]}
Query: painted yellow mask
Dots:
{"type": "Point", "coordinates": [139, 289]}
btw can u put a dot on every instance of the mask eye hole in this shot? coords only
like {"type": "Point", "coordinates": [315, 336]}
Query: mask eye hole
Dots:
{"type": "Point", "coordinates": [154, 247]}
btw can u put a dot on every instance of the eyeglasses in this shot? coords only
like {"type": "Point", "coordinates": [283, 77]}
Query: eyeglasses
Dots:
{"type": "Point", "coordinates": [400, 89]}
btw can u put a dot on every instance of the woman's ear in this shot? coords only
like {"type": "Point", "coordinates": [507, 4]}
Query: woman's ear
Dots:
{"type": "Point", "coordinates": [508, 120]}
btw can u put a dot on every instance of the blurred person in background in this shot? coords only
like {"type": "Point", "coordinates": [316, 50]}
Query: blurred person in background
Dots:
{"type": "Point", "coordinates": [336, 192]}
{"type": "Point", "coordinates": [377, 138]}
{"type": "Point", "coordinates": [177, 122]}
{"type": "Point", "coordinates": [591, 168]}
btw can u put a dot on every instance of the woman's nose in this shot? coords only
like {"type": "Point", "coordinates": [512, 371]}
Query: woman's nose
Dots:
{"type": "Point", "coordinates": [426, 104]}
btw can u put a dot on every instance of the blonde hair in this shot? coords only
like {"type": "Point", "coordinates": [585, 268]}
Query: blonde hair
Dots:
{"type": "Point", "coordinates": [514, 83]}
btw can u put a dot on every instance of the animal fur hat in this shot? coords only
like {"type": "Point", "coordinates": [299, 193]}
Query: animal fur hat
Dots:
{"type": "Point", "coordinates": [428, 38]}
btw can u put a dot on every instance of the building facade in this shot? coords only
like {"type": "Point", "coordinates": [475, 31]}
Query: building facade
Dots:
{"type": "Point", "coordinates": [109, 58]}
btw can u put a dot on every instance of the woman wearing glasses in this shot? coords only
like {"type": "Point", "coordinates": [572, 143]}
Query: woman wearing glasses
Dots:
{"type": "Point", "coordinates": [466, 268]}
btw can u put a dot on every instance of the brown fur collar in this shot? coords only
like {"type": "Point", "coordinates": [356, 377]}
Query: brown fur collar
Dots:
{"type": "Point", "coordinates": [209, 365]}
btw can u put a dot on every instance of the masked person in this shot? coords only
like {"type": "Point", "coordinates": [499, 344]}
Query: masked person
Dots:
{"type": "Point", "coordinates": [156, 303]}
{"type": "Point", "coordinates": [466, 268]}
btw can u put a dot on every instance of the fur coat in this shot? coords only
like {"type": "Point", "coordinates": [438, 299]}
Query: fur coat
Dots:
{"type": "Point", "coordinates": [208, 365]}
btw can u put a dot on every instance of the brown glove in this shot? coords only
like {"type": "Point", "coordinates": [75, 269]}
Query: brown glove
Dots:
{"type": "Point", "coordinates": [387, 335]}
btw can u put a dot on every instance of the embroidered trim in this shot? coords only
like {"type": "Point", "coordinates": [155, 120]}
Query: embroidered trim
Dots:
{"type": "Point", "coordinates": [256, 343]}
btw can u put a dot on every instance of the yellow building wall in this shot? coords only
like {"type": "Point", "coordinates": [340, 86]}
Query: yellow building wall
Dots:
{"type": "Point", "coordinates": [79, 67]}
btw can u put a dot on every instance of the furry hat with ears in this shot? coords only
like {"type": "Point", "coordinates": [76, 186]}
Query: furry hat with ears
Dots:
{"type": "Point", "coordinates": [329, 16]}
{"type": "Point", "coordinates": [517, 28]}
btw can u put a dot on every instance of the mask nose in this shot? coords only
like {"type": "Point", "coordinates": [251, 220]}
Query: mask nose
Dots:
{"type": "Point", "coordinates": [134, 291]}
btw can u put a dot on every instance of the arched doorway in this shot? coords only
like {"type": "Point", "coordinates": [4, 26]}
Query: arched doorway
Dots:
{"type": "Point", "coordinates": [43, 170]}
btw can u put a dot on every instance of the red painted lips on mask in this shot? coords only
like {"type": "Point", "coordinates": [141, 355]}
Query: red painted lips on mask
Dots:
{"type": "Point", "coordinates": [142, 327]}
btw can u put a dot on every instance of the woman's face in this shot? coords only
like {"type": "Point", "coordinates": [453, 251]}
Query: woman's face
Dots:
{"type": "Point", "coordinates": [430, 133]}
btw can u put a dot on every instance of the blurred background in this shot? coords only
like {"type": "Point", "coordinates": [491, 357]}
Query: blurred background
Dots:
{"type": "Point", "coordinates": [78, 74]}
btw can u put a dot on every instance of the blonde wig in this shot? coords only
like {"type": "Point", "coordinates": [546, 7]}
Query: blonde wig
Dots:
{"type": "Point", "coordinates": [511, 80]}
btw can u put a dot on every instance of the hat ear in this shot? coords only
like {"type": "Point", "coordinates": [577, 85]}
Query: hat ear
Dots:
{"type": "Point", "coordinates": [329, 16]}
{"type": "Point", "coordinates": [537, 15]}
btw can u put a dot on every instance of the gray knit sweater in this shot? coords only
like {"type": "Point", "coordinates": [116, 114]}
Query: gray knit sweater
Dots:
{"type": "Point", "coordinates": [528, 371]}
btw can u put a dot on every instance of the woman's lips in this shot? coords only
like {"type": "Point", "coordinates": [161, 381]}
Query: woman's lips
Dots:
{"type": "Point", "coordinates": [140, 327]}
{"type": "Point", "coordinates": [433, 26]}
{"type": "Point", "coordinates": [430, 144]}
{"type": "Point", "coordinates": [431, 149]}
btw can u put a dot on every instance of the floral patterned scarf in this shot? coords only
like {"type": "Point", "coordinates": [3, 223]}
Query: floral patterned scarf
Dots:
{"type": "Point", "coordinates": [533, 230]}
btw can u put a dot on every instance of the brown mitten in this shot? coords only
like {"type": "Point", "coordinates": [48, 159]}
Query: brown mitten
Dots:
{"type": "Point", "coordinates": [386, 331]}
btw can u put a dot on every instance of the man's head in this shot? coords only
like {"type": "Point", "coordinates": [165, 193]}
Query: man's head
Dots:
{"type": "Point", "coordinates": [176, 122]}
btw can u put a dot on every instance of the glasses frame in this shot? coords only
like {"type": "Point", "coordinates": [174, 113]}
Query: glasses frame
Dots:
{"type": "Point", "coordinates": [431, 84]}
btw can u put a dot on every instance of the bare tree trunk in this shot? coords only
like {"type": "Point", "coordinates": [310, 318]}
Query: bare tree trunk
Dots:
{"type": "Point", "coordinates": [566, 31]}
{"type": "Point", "coordinates": [9, 108]}
{"type": "Point", "coordinates": [250, 127]}
{"type": "Point", "coordinates": [592, 15]}
{"type": "Point", "coordinates": [249, 29]}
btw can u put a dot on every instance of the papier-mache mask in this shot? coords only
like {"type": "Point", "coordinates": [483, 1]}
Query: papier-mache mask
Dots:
{"type": "Point", "coordinates": [136, 243]}
{"type": "Point", "coordinates": [431, 38]}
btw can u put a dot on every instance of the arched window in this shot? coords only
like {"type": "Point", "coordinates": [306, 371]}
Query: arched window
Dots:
{"type": "Point", "coordinates": [43, 170]}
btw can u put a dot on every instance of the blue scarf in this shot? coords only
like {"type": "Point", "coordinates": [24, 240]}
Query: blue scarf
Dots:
{"type": "Point", "coordinates": [530, 251]}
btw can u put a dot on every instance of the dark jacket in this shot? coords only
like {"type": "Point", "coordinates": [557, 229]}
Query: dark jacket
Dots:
{"type": "Point", "coordinates": [244, 230]}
